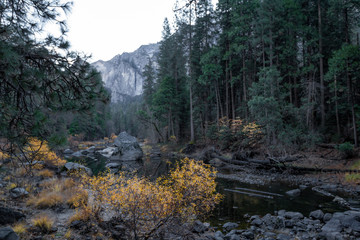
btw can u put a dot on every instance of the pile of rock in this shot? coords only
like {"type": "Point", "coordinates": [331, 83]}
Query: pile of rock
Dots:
{"type": "Point", "coordinates": [123, 154]}
{"type": "Point", "coordinates": [293, 225]}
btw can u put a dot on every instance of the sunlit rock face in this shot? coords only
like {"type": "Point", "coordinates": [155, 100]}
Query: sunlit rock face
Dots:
{"type": "Point", "coordinates": [123, 73]}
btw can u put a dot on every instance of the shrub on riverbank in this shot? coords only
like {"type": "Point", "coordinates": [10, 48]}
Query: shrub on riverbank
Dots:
{"type": "Point", "coordinates": [148, 208]}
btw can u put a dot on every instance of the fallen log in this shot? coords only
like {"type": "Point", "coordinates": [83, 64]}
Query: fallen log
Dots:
{"type": "Point", "coordinates": [257, 191]}
{"type": "Point", "coordinates": [241, 162]}
{"type": "Point", "coordinates": [267, 163]}
{"type": "Point", "coordinates": [249, 193]}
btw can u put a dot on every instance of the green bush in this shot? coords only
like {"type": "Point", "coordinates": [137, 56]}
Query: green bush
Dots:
{"type": "Point", "coordinates": [347, 149]}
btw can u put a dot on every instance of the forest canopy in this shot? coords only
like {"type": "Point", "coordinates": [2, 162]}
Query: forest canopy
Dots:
{"type": "Point", "coordinates": [289, 66]}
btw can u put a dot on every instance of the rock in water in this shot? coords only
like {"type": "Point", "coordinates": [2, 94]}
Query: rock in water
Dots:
{"type": "Point", "coordinates": [293, 193]}
{"type": "Point", "coordinates": [129, 149]}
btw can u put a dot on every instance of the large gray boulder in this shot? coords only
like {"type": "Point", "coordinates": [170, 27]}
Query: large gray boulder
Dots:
{"type": "Point", "coordinates": [129, 148]}
{"type": "Point", "coordinates": [18, 192]}
{"type": "Point", "coordinates": [6, 233]}
{"type": "Point", "coordinates": [71, 166]}
{"type": "Point", "coordinates": [9, 216]}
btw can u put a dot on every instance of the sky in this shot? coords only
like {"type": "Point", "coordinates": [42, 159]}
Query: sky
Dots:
{"type": "Point", "coordinates": [109, 27]}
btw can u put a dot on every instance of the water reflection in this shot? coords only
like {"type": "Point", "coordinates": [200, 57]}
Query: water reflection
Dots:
{"type": "Point", "coordinates": [235, 204]}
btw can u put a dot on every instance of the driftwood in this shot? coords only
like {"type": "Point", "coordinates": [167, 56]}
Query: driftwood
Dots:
{"type": "Point", "coordinates": [266, 162]}
{"type": "Point", "coordinates": [257, 191]}
{"type": "Point", "coordinates": [249, 193]}
{"type": "Point", "coordinates": [279, 163]}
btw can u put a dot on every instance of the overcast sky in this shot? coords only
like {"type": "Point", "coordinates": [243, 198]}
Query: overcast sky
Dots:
{"type": "Point", "coordinates": [109, 27]}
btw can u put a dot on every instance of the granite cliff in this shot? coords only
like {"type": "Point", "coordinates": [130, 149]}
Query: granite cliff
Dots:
{"type": "Point", "coordinates": [123, 73]}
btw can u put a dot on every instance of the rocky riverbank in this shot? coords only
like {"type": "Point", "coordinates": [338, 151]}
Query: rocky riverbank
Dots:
{"type": "Point", "coordinates": [287, 225]}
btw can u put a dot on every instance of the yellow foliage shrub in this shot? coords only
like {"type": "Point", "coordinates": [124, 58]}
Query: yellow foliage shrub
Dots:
{"type": "Point", "coordinates": [188, 191]}
{"type": "Point", "coordinates": [113, 136]}
{"type": "Point", "coordinates": [79, 198]}
{"type": "Point", "coordinates": [11, 186]}
{"type": "Point", "coordinates": [3, 156]}
{"type": "Point", "coordinates": [37, 150]}
{"type": "Point", "coordinates": [20, 229]}
{"type": "Point", "coordinates": [43, 223]}
{"type": "Point", "coordinates": [193, 185]}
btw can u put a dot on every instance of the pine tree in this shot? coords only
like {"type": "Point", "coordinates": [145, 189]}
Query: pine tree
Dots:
{"type": "Point", "coordinates": [39, 77]}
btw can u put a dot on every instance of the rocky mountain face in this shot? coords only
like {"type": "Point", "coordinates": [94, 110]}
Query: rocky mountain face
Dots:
{"type": "Point", "coordinates": [123, 73]}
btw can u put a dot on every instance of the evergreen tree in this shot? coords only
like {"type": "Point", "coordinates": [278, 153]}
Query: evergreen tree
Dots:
{"type": "Point", "coordinates": [39, 77]}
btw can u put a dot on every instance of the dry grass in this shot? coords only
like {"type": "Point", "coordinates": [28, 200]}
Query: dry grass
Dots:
{"type": "Point", "coordinates": [20, 229]}
{"type": "Point", "coordinates": [80, 215]}
{"type": "Point", "coordinates": [49, 200]}
{"type": "Point", "coordinates": [43, 223]}
{"type": "Point", "coordinates": [46, 173]}
{"type": "Point", "coordinates": [57, 192]}
{"type": "Point", "coordinates": [68, 234]}
{"type": "Point", "coordinates": [58, 185]}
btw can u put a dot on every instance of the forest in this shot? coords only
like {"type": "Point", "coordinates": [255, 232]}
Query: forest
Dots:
{"type": "Point", "coordinates": [289, 66]}
{"type": "Point", "coordinates": [287, 70]}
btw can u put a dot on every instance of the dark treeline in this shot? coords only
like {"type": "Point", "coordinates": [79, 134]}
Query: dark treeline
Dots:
{"type": "Point", "coordinates": [292, 66]}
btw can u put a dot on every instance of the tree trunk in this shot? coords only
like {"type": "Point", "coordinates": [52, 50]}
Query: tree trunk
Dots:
{"type": "Point", "coordinates": [227, 89]}
{"type": "Point", "coordinates": [192, 132]}
{"type": "Point", "coordinates": [352, 104]}
{"type": "Point", "coordinates": [232, 94]}
{"type": "Point", "coordinates": [322, 90]}
{"type": "Point", "coordinates": [244, 86]}
{"type": "Point", "coordinates": [337, 110]}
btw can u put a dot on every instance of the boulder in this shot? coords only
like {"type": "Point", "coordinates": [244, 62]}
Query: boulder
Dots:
{"type": "Point", "coordinates": [334, 225]}
{"type": "Point", "coordinates": [68, 151]}
{"type": "Point", "coordinates": [294, 215]}
{"type": "Point", "coordinates": [18, 192]}
{"type": "Point", "coordinates": [113, 165]}
{"type": "Point", "coordinates": [9, 216]}
{"type": "Point", "coordinates": [256, 222]}
{"type": "Point", "coordinates": [327, 217]}
{"type": "Point", "coordinates": [348, 219]}
{"type": "Point", "coordinates": [71, 166]}
{"type": "Point", "coordinates": [89, 150]}
{"type": "Point", "coordinates": [318, 214]}
{"type": "Point", "coordinates": [108, 152]}
{"type": "Point", "coordinates": [6, 233]}
{"type": "Point", "coordinates": [293, 193]}
{"type": "Point", "coordinates": [77, 154]}
{"type": "Point", "coordinates": [219, 235]}
{"type": "Point", "coordinates": [129, 148]}
{"type": "Point", "coordinates": [282, 236]}
{"type": "Point", "coordinates": [341, 201]}
{"type": "Point", "coordinates": [199, 227]}
{"type": "Point", "coordinates": [230, 226]}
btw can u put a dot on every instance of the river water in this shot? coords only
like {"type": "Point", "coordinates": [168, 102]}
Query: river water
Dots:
{"type": "Point", "coordinates": [241, 199]}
